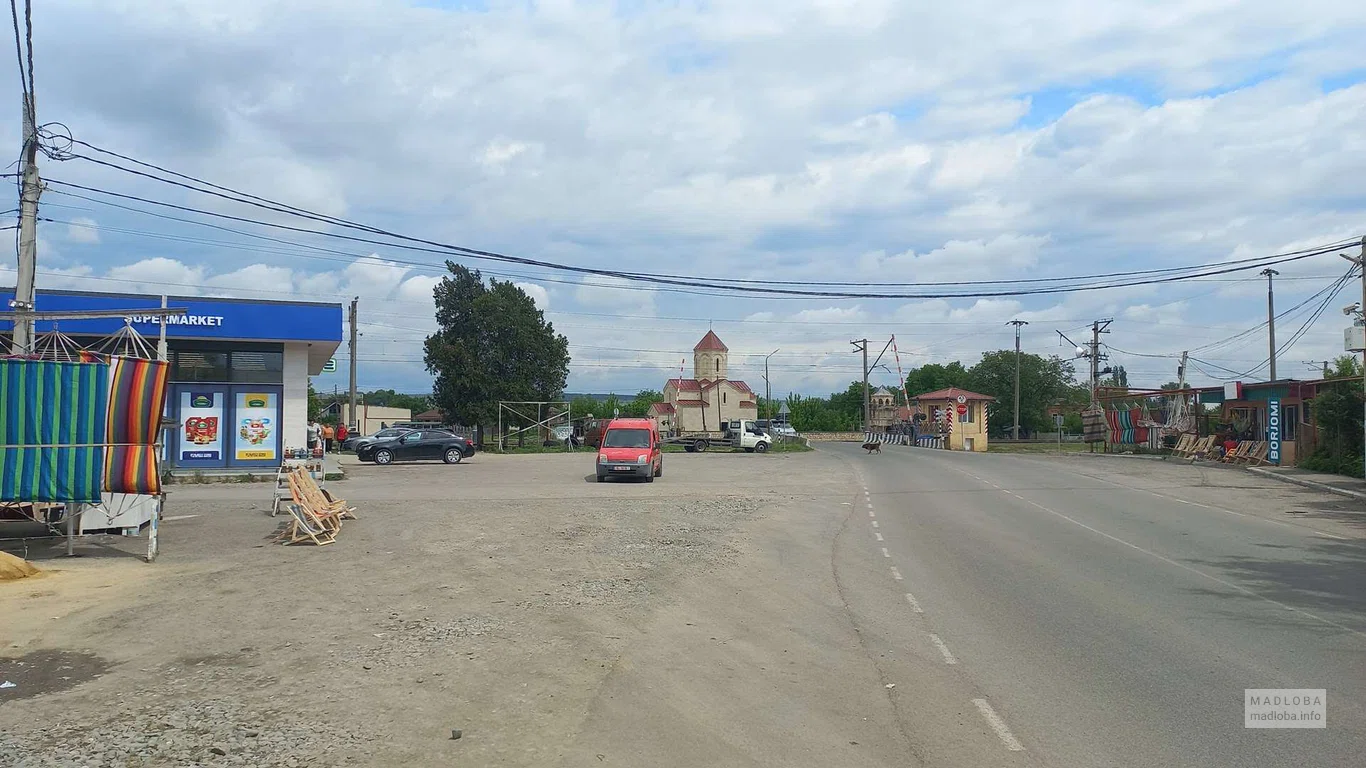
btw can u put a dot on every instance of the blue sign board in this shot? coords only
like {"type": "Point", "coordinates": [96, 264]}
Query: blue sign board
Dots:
{"type": "Point", "coordinates": [1273, 430]}
{"type": "Point", "coordinates": [239, 319]}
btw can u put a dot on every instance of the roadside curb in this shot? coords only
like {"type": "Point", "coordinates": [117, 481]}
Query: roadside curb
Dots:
{"type": "Point", "coordinates": [1358, 495]}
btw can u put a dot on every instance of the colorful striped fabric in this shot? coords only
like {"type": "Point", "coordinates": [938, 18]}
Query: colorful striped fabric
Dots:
{"type": "Point", "coordinates": [52, 427]}
{"type": "Point", "coordinates": [1124, 429]}
{"type": "Point", "coordinates": [137, 398]}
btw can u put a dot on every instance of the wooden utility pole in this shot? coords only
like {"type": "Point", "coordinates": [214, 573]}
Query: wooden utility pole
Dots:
{"type": "Point", "coordinates": [862, 345]}
{"type": "Point", "coordinates": [1017, 324]}
{"type": "Point", "coordinates": [1271, 317]}
{"type": "Point", "coordinates": [355, 419]}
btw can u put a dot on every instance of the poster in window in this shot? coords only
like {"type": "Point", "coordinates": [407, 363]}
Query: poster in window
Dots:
{"type": "Point", "coordinates": [257, 420]}
{"type": "Point", "coordinates": [201, 418]}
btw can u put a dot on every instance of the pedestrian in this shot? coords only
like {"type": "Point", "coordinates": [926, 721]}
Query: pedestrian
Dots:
{"type": "Point", "coordinates": [328, 435]}
{"type": "Point", "coordinates": [313, 434]}
{"type": "Point", "coordinates": [342, 434]}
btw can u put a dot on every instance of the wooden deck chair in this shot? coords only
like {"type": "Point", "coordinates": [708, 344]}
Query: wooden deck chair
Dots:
{"type": "Point", "coordinates": [321, 499]}
{"type": "Point", "coordinates": [329, 519]}
{"type": "Point", "coordinates": [1183, 446]}
{"type": "Point", "coordinates": [302, 527]}
{"type": "Point", "coordinates": [1234, 456]}
{"type": "Point", "coordinates": [1255, 456]}
{"type": "Point", "coordinates": [1200, 449]}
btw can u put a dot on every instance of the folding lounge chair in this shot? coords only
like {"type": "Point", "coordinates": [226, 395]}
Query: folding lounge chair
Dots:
{"type": "Point", "coordinates": [303, 527]}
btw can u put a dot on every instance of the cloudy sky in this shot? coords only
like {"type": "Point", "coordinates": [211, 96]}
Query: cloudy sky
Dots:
{"type": "Point", "coordinates": [851, 140]}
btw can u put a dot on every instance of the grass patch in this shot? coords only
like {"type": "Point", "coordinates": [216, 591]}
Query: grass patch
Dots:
{"type": "Point", "coordinates": [792, 447]}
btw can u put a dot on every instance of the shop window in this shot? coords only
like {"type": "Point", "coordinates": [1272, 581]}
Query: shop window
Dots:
{"type": "Point", "coordinates": [257, 367]}
{"type": "Point", "coordinates": [199, 366]}
{"type": "Point", "coordinates": [1290, 420]}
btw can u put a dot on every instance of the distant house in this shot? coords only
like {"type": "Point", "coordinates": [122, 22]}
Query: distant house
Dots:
{"type": "Point", "coordinates": [709, 398]}
{"type": "Point", "coordinates": [434, 416]}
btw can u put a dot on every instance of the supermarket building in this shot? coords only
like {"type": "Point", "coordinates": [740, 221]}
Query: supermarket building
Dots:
{"type": "Point", "coordinates": [239, 367]}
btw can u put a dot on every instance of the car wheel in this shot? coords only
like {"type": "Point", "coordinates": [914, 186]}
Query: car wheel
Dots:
{"type": "Point", "coordinates": [384, 457]}
{"type": "Point", "coordinates": [659, 470]}
{"type": "Point", "coordinates": [453, 456]}
{"type": "Point", "coordinates": [689, 448]}
{"type": "Point", "coordinates": [699, 446]}
{"type": "Point", "coordinates": [650, 478]}
{"type": "Point", "coordinates": [761, 448]}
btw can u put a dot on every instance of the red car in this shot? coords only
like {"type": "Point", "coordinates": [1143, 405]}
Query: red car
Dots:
{"type": "Point", "coordinates": [630, 448]}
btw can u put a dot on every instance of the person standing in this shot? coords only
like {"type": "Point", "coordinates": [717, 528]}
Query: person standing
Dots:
{"type": "Point", "coordinates": [342, 434]}
{"type": "Point", "coordinates": [328, 434]}
{"type": "Point", "coordinates": [313, 435]}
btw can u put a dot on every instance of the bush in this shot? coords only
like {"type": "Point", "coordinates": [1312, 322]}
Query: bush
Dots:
{"type": "Point", "coordinates": [1323, 460]}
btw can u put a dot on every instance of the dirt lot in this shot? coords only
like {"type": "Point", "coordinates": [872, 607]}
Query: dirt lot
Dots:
{"type": "Point", "coordinates": [510, 597]}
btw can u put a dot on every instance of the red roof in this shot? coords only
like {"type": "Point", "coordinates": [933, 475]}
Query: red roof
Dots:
{"type": "Point", "coordinates": [739, 385]}
{"type": "Point", "coordinates": [692, 403]}
{"type": "Point", "coordinates": [710, 343]}
{"type": "Point", "coordinates": [903, 414]}
{"type": "Point", "coordinates": [685, 385]}
{"type": "Point", "coordinates": [742, 386]}
{"type": "Point", "coordinates": [952, 393]}
{"type": "Point", "coordinates": [661, 408]}
{"type": "Point", "coordinates": [748, 404]}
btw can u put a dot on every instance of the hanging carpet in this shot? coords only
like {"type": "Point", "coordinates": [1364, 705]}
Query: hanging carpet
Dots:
{"type": "Point", "coordinates": [52, 430]}
{"type": "Point", "coordinates": [137, 398]}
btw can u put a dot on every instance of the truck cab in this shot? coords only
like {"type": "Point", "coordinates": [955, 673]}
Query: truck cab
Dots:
{"type": "Point", "coordinates": [747, 434]}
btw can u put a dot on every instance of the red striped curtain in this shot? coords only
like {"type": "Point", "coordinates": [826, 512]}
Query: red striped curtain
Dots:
{"type": "Point", "coordinates": [137, 398]}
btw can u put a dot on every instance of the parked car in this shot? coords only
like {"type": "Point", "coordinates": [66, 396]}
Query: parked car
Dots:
{"type": "Point", "coordinates": [427, 444]}
{"type": "Point", "coordinates": [630, 448]}
{"type": "Point", "coordinates": [355, 443]}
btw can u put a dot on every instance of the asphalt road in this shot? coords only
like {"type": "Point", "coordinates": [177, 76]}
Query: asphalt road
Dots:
{"type": "Point", "coordinates": [1086, 613]}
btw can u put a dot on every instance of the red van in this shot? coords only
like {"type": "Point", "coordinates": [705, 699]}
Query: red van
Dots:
{"type": "Point", "coordinates": [630, 447]}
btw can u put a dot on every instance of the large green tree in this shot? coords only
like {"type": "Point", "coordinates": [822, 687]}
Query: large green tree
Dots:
{"type": "Point", "coordinates": [1044, 381]}
{"type": "Point", "coordinates": [936, 376]}
{"type": "Point", "coordinates": [641, 403]}
{"type": "Point", "coordinates": [492, 344]}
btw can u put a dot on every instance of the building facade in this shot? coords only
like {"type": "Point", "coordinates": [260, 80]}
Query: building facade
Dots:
{"type": "Point", "coordinates": [707, 400]}
{"type": "Point", "coordinates": [239, 368]}
{"type": "Point", "coordinates": [957, 414]}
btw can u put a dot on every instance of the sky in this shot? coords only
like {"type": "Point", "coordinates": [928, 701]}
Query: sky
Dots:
{"type": "Point", "coordinates": [853, 140]}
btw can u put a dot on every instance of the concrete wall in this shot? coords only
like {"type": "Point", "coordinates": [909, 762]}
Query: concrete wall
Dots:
{"type": "Point", "coordinates": [294, 403]}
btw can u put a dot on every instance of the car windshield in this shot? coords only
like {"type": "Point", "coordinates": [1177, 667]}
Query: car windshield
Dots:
{"type": "Point", "coordinates": [627, 438]}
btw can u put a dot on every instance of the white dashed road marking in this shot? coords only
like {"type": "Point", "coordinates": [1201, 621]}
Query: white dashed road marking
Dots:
{"type": "Point", "coordinates": [878, 535]}
{"type": "Point", "coordinates": [874, 523]}
{"type": "Point", "coordinates": [998, 725]}
{"type": "Point", "coordinates": [915, 604]}
{"type": "Point", "coordinates": [885, 553]}
{"type": "Point", "coordinates": [870, 513]}
{"type": "Point", "coordinates": [943, 649]}
{"type": "Point", "coordinates": [896, 574]}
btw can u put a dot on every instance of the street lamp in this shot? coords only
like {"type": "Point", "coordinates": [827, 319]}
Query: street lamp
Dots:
{"type": "Point", "coordinates": [768, 397]}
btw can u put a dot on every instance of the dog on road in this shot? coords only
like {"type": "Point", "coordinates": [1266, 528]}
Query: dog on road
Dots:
{"type": "Point", "coordinates": [872, 448]}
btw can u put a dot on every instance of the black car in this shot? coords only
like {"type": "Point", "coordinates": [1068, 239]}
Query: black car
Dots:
{"type": "Point", "coordinates": [428, 444]}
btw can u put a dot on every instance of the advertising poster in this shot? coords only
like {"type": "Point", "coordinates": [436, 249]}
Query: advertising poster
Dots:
{"type": "Point", "coordinates": [201, 418]}
{"type": "Point", "coordinates": [257, 420]}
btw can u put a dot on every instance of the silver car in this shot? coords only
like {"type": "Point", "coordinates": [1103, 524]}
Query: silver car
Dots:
{"type": "Point", "coordinates": [354, 443]}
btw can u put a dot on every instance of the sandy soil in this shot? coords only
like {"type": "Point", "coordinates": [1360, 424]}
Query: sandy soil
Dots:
{"type": "Point", "coordinates": [508, 597]}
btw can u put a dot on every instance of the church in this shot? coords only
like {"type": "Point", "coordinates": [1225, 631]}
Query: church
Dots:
{"type": "Point", "coordinates": [707, 400]}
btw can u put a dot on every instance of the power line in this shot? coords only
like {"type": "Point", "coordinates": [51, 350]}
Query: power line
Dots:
{"type": "Point", "coordinates": [234, 195]}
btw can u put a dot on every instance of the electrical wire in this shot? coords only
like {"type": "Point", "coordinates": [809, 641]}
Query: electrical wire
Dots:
{"type": "Point", "coordinates": [691, 286]}
{"type": "Point", "coordinates": [238, 196]}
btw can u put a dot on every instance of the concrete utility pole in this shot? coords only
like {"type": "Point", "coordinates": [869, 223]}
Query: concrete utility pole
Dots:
{"type": "Point", "coordinates": [1271, 316]}
{"type": "Point", "coordinates": [1017, 324]}
{"type": "Point", "coordinates": [354, 418]}
{"type": "Point", "coordinates": [1360, 261]}
{"type": "Point", "coordinates": [24, 287]}
{"type": "Point", "coordinates": [768, 396]}
{"type": "Point", "coordinates": [862, 345]}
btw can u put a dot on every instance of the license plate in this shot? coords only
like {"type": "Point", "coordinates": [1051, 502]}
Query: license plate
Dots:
{"type": "Point", "coordinates": [622, 469]}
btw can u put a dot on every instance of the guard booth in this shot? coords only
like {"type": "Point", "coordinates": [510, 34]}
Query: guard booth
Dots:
{"type": "Point", "coordinates": [959, 415]}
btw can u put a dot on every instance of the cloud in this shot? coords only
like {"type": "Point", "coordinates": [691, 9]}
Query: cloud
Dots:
{"type": "Point", "coordinates": [537, 293]}
{"type": "Point", "coordinates": [960, 142]}
{"type": "Point", "coordinates": [83, 230]}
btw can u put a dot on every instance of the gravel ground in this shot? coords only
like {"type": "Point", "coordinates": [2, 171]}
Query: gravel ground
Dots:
{"type": "Point", "coordinates": [495, 597]}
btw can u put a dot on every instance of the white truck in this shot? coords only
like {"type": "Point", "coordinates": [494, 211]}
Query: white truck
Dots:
{"type": "Point", "coordinates": [737, 433]}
